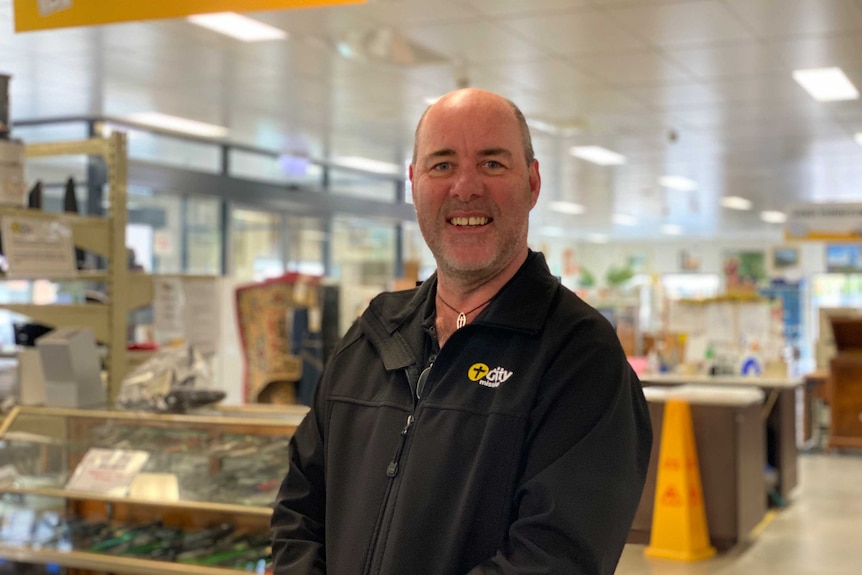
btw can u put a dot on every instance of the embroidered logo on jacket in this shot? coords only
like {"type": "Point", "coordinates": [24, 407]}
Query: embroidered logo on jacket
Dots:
{"type": "Point", "coordinates": [484, 375]}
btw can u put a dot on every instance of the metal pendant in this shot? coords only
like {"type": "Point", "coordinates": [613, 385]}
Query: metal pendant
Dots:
{"type": "Point", "coordinates": [461, 321]}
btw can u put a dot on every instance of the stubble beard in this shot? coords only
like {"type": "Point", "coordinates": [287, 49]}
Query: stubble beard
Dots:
{"type": "Point", "coordinates": [475, 272]}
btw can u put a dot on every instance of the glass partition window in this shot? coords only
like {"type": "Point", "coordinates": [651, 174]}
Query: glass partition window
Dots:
{"type": "Point", "coordinates": [281, 170]}
{"type": "Point", "coordinates": [155, 218]}
{"type": "Point", "coordinates": [256, 245]}
{"type": "Point", "coordinates": [203, 235]}
{"type": "Point", "coordinates": [357, 184]}
{"type": "Point", "coordinates": [174, 151]}
{"type": "Point", "coordinates": [305, 246]}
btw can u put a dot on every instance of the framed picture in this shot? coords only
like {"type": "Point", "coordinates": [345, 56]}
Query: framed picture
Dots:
{"type": "Point", "coordinates": [784, 257]}
{"type": "Point", "coordinates": [843, 258]}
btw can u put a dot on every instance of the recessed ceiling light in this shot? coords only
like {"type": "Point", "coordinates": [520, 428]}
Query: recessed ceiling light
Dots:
{"type": "Point", "coordinates": [367, 165]}
{"type": "Point", "coordinates": [858, 138]}
{"type": "Point", "coordinates": [598, 155]}
{"type": "Point", "coordinates": [671, 229]}
{"type": "Point", "coordinates": [177, 124]}
{"type": "Point", "coordinates": [677, 183]}
{"type": "Point", "coordinates": [597, 238]}
{"type": "Point", "coordinates": [624, 220]}
{"type": "Point", "coordinates": [735, 203]}
{"type": "Point", "coordinates": [567, 208]}
{"type": "Point", "coordinates": [773, 217]}
{"type": "Point", "coordinates": [826, 84]}
{"type": "Point", "coordinates": [238, 26]}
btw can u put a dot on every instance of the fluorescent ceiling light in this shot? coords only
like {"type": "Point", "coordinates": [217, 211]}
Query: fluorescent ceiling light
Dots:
{"type": "Point", "coordinates": [368, 165]}
{"type": "Point", "coordinates": [567, 208]}
{"type": "Point", "coordinates": [735, 203]}
{"type": "Point", "coordinates": [624, 220]}
{"type": "Point", "coordinates": [671, 229]}
{"type": "Point", "coordinates": [238, 26]}
{"type": "Point", "coordinates": [597, 238]}
{"type": "Point", "coordinates": [552, 129]}
{"type": "Point", "coordinates": [176, 124]}
{"type": "Point", "coordinates": [826, 84]}
{"type": "Point", "coordinates": [553, 232]}
{"type": "Point", "coordinates": [677, 183]}
{"type": "Point", "coordinates": [598, 155]}
{"type": "Point", "coordinates": [773, 217]}
{"type": "Point", "coordinates": [858, 138]}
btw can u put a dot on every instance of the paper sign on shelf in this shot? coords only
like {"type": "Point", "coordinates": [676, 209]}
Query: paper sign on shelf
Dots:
{"type": "Point", "coordinates": [825, 221]}
{"type": "Point", "coordinates": [107, 471]}
{"type": "Point", "coordinates": [49, 14]}
{"type": "Point", "coordinates": [37, 248]}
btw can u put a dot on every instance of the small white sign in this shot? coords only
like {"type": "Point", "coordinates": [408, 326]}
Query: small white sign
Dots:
{"type": "Point", "coordinates": [107, 471]}
{"type": "Point", "coordinates": [825, 221]}
{"type": "Point", "coordinates": [37, 248]}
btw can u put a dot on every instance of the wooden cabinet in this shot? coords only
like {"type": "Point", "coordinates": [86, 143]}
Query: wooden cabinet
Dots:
{"type": "Point", "coordinates": [845, 429]}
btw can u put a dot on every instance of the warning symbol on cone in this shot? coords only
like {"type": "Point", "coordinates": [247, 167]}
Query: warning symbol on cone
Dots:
{"type": "Point", "coordinates": [679, 528]}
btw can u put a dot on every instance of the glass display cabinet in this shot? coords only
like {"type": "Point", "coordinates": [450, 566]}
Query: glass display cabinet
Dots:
{"type": "Point", "coordinates": [86, 491]}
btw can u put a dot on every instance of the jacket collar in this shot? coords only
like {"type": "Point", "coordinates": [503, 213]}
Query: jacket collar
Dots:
{"type": "Point", "coordinates": [522, 304]}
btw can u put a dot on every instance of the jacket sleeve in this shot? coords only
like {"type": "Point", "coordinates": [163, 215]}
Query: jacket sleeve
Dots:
{"type": "Point", "coordinates": [584, 470]}
{"type": "Point", "coordinates": [297, 525]}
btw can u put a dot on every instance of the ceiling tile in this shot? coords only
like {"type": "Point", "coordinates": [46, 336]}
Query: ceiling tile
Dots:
{"type": "Point", "coordinates": [580, 32]}
{"type": "Point", "coordinates": [782, 18]}
{"type": "Point", "coordinates": [631, 69]}
{"type": "Point", "coordinates": [842, 50]}
{"type": "Point", "coordinates": [548, 74]}
{"type": "Point", "coordinates": [477, 42]}
{"type": "Point", "coordinates": [496, 8]}
{"type": "Point", "coordinates": [717, 61]}
{"type": "Point", "coordinates": [702, 22]}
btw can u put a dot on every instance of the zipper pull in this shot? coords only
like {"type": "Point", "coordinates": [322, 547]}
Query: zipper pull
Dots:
{"type": "Point", "coordinates": [392, 468]}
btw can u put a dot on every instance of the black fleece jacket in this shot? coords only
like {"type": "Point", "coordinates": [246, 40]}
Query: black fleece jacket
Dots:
{"type": "Point", "coordinates": [525, 452]}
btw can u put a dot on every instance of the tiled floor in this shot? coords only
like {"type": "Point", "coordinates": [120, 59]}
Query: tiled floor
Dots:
{"type": "Point", "coordinates": [819, 533]}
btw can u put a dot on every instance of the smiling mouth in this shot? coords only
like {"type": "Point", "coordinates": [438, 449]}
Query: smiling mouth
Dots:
{"type": "Point", "coordinates": [470, 222]}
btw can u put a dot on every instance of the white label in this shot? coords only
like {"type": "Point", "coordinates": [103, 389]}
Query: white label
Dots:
{"type": "Point", "coordinates": [48, 7]}
{"type": "Point", "coordinates": [201, 321]}
{"type": "Point", "coordinates": [37, 248]}
{"type": "Point", "coordinates": [107, 471]}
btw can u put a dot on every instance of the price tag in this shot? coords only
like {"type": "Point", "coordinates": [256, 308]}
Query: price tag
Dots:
{"type": "Point", "coordinates": [107, 471]}
{"type": "Point", "coordinates": [37, 248]}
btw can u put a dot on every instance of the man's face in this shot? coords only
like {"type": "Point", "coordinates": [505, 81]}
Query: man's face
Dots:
{"type": "Point", "coordinates": [472, 189]}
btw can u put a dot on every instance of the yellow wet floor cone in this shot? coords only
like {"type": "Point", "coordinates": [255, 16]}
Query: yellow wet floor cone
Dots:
{"type": "Point", "coordinates": [679, 528]}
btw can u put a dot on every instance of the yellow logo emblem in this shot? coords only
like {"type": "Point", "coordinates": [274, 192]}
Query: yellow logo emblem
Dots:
{"type": "Point", "coordinates": [477, 371]}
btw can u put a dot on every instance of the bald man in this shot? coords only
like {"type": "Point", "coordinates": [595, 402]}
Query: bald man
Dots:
{"type": "Point", "coordinates": [484, 422]}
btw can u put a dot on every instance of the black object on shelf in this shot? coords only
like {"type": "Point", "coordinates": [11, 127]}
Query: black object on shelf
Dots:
{"type": "Point", "coordinates": [70, 205]}
{"type": "Point", "coordinates": [34, 198]}
{"type": "Point", "coordinates": [5, 127]}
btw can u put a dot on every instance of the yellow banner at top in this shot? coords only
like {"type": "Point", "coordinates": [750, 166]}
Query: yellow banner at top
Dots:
{"type": "Point", "coordinates": [48, 14]}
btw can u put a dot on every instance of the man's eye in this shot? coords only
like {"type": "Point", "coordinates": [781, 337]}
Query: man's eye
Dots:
{"type": "Point", "coordinates": [494, 165]}
{"type": "Point", "coordinates": [442, 166]}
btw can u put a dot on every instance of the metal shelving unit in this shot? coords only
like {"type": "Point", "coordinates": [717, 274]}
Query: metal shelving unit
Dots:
{"type": "Point", "coordinates": [104, 236]}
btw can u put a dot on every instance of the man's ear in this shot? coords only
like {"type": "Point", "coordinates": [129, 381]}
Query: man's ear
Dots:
{"type": "Point", "coordinates": [535, 183]}
{"type": "Point", "coordinates": [412, 187]}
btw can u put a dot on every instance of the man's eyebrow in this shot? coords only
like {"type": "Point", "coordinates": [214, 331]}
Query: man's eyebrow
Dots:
{"type": "Point", "coordinates": [442, 153]}
{"type": "Point", "coordinates": [495, 152]}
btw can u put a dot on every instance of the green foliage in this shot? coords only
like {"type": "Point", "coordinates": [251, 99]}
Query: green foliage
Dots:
{"type": "Point", "coordinates": [586, 279]}
{"type": "Point", "coordinates": [618, 276]}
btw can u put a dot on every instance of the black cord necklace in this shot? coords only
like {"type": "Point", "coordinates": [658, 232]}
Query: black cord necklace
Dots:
{"type": "Point", "coordinates": [462, 315]}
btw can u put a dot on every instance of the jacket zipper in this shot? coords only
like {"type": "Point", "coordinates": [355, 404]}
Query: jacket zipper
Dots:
{"type": "Point", "coordinates": [393, 468]}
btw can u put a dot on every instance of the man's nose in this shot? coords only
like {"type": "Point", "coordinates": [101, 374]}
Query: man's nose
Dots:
{"type": "Point", "coordinates": [468, 184]}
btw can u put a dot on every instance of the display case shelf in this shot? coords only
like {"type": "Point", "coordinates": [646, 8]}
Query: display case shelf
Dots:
{"type": "Point", "coordinates": [106, 563]}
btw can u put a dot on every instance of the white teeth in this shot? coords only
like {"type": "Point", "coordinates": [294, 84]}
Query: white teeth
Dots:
{"type": "Point", "coordinates": [472, 221]}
